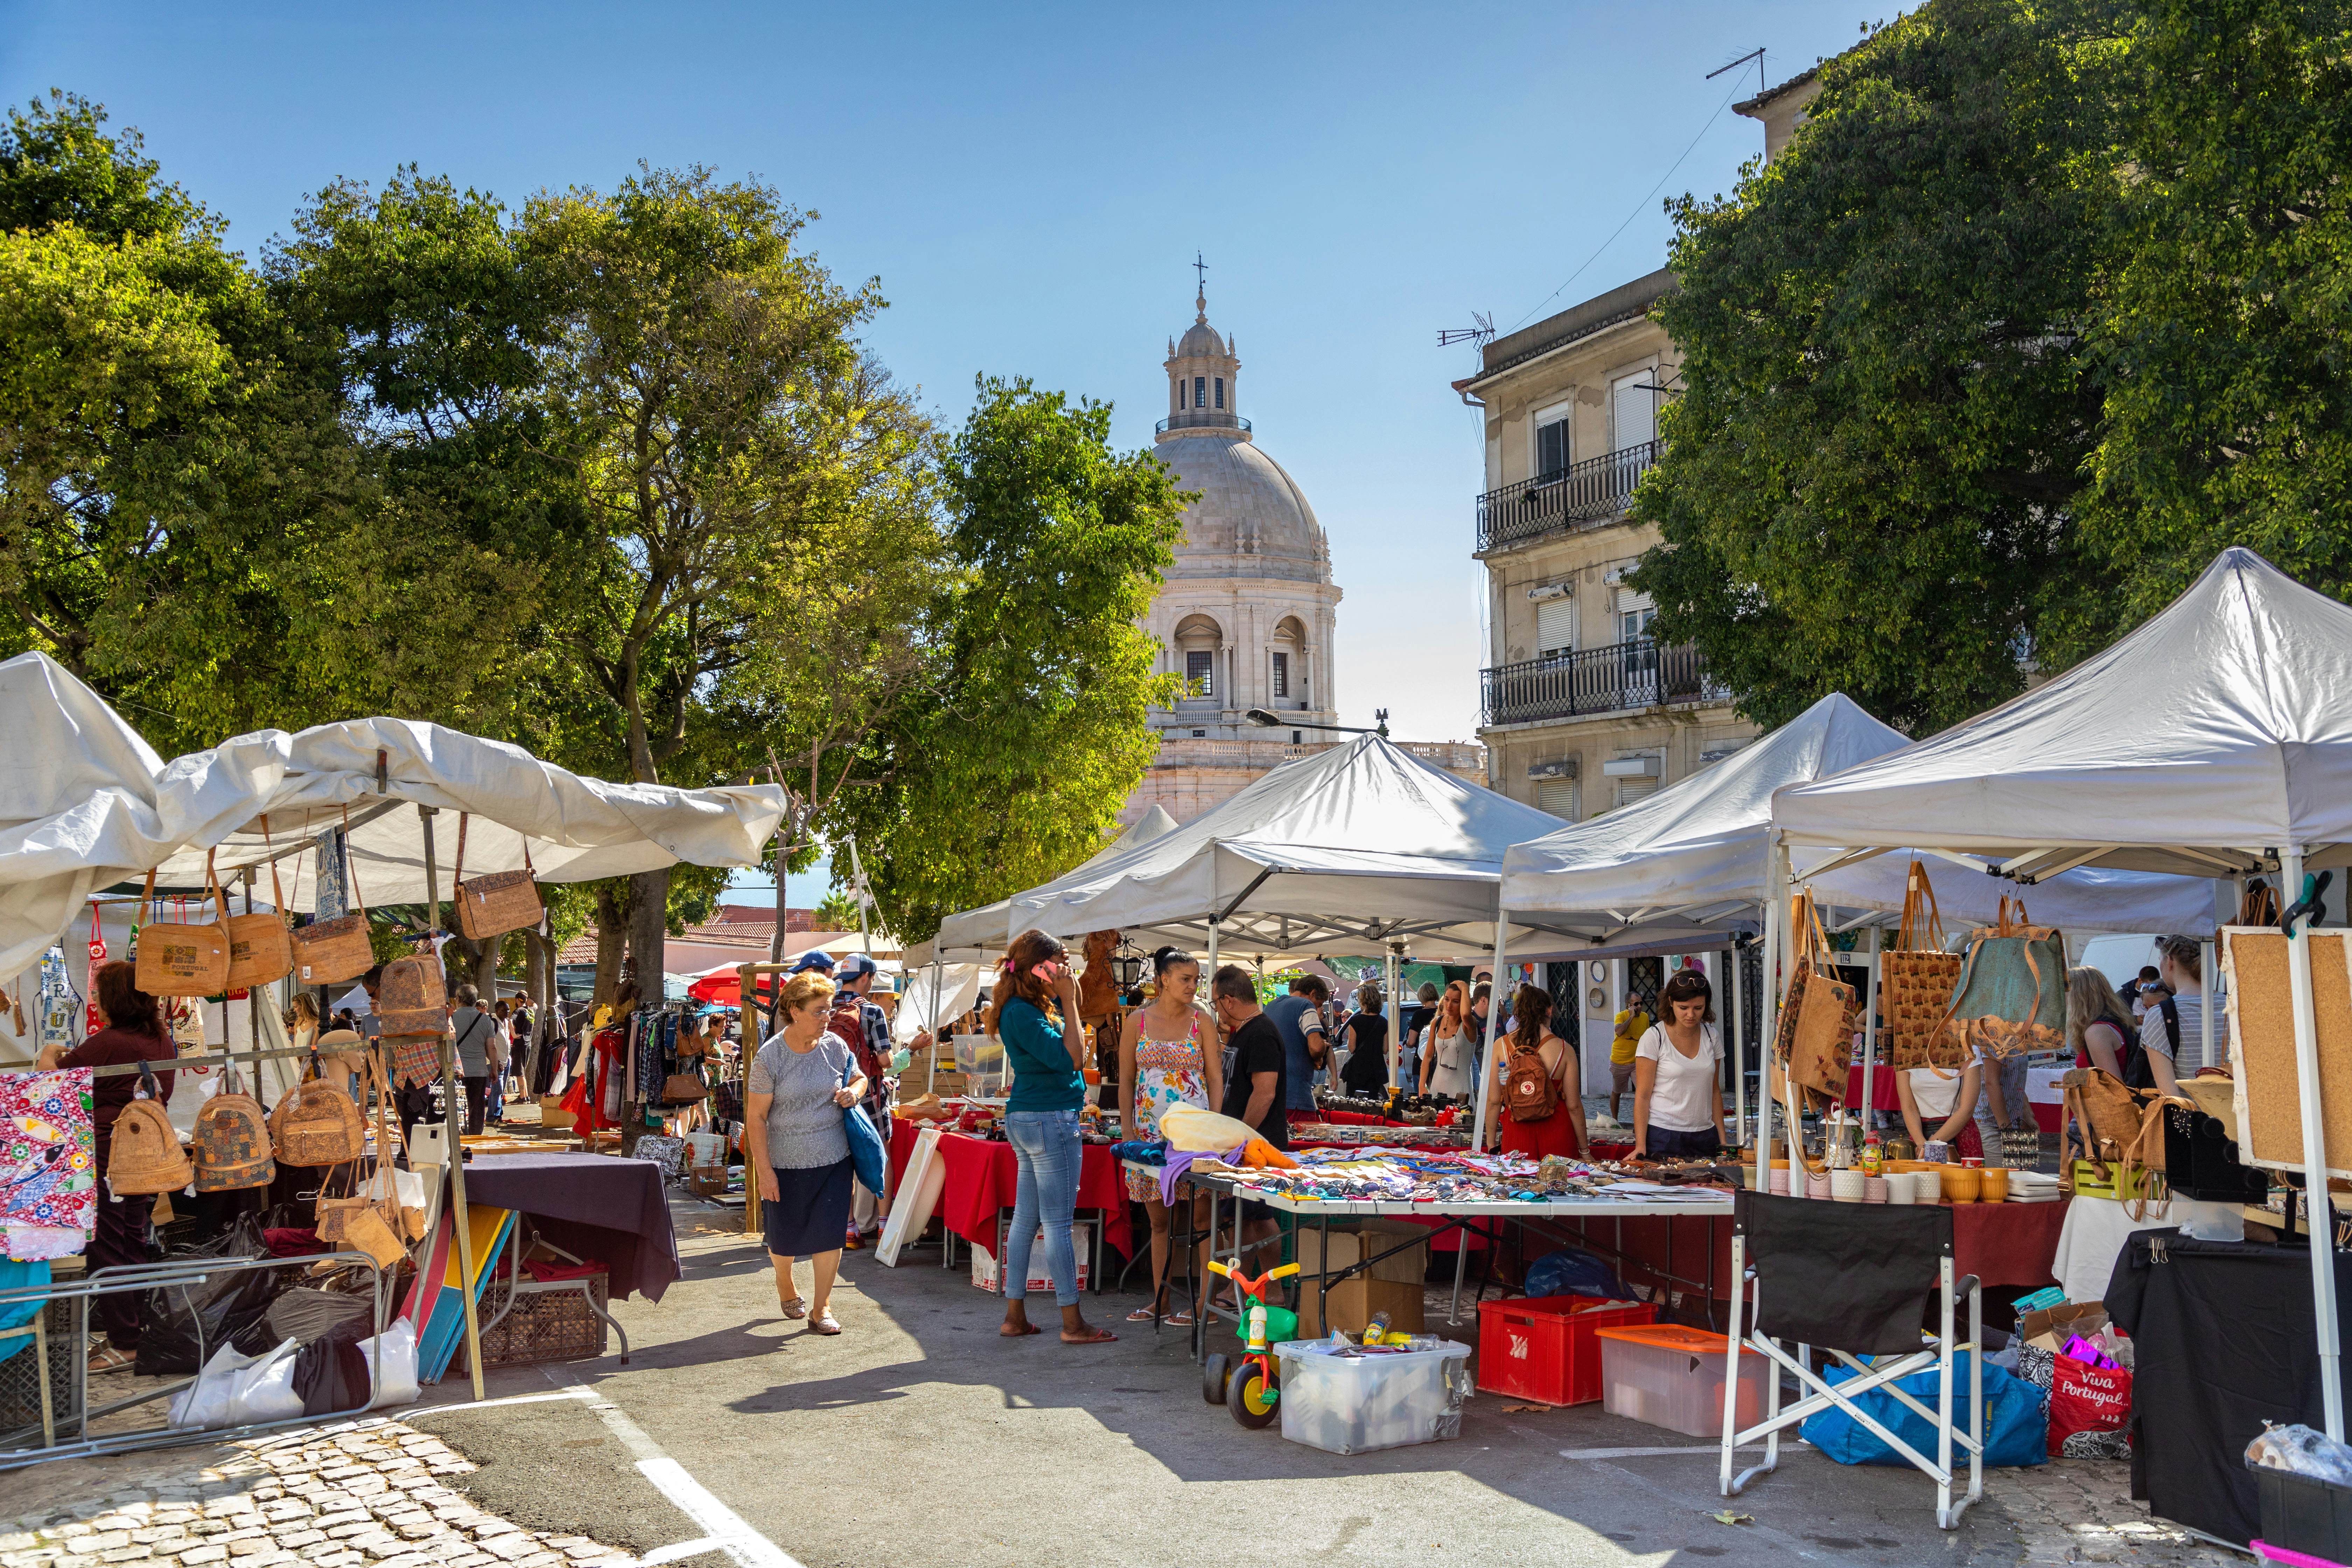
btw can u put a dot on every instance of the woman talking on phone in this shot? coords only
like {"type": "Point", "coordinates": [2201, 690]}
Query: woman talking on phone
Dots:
{"type": "Point", "coordinates": [1041, 1122]}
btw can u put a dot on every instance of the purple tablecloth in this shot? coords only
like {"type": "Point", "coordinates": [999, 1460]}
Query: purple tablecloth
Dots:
{"type": "Point", "coordinates": [596, 1206]}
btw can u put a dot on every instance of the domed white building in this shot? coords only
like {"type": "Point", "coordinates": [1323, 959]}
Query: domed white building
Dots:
{"type": "Point", "coordinates": [1246, 616]}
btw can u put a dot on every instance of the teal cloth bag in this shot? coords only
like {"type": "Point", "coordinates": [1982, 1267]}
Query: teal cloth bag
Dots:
{"type": "Point", "coordinates": [2011, 993]}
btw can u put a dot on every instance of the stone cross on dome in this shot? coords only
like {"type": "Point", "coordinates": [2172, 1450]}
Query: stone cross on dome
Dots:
{"type": "Point", "coordinates": [1200, 288]}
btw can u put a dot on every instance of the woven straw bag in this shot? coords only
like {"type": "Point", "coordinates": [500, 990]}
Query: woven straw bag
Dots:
{"type": "Point", "coordinates": [327, 951]}
{"type": "Point", "coordinates": [146, 1156]}
{"type": "Point", "coordinates": [1815, 1038]}
{"type": "Point", "coordinates": [178, 959]}
{"type": "Point", "coordinates": [232, 1142]}
{"type": "Point", "coordinates": [1915, 984]}
{"type": "Point", "coordinates": [261, 947]}
{"type": "Point", "coordinates": [495, 904]}
{"type": "Point", "coordinates": [318, 1124]}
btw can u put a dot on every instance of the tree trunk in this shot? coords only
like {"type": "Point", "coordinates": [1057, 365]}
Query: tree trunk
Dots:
{"type": "Point", "coordinates": [612, 935]}
{"type": "Point", "coordinates": [648, 933]}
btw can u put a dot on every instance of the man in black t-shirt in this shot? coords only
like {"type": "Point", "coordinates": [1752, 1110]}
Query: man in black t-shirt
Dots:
{"type": "Point", "coordinates": [1254, 1087]}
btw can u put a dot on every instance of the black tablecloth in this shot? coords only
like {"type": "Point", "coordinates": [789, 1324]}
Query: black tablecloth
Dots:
{"type": "Point", "coordinates": [596, 1206]}
{"type": "Point", "coordinates": [2222, 1339]}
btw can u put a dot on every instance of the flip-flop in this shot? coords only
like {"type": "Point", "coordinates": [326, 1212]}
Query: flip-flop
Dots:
{"type": "Point", "coordinates": [794, 1309]}
{"type": "Point", "coordinates": [1094, 1336]}
{"type": "Point", "coordinates": [1141, 1315]}
{"type": "Point", "coordinates": [1179, 1318]}
{"type": "Point", "coordinates": [824, 1323]}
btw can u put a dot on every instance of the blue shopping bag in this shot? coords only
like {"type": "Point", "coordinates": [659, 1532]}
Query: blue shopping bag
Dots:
{"type": "Point", "coordinates": [2016, 1422]}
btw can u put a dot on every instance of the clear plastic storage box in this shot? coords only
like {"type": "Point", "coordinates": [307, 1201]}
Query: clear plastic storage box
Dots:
{"type": "Point", "coordinates": [981, 1058]}
{"type": "Point", "coordinates": [1672, 1376]}
{"type": "Point", "coordinates": [1352, 1405]}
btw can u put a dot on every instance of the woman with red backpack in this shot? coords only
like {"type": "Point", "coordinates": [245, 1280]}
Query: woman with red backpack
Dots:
{"type": "Point", "coordinates": [1542, 1106]}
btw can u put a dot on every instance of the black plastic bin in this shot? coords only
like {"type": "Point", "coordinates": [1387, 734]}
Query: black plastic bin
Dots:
{"type": "Point", "coordinates": [2305, 1515]}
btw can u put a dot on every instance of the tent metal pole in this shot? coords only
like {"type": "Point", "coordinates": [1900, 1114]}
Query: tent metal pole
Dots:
{"type": "Point", "coordinates": [1394, 965]}
{"type": "Point", "coordinates": [2320, 1211]}
{"type": "Point", "coordinates": [2206, 977]}
{"type": "Point", "coordinates": [1486, 1063]}
{"type": "Point", "coordinates": [1738, 1053]}
{"type": "Point", "coordinates": [1869, 1031]}
{"type": "Point", "coordinates": [1775, 898]}
{"type": "Point", "coordinates": [938, 1023]}
{"type": "Point", "coordinates": [455, 1123]}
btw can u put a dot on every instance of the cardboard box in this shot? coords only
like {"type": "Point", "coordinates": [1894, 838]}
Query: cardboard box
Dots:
{"type": "Point", "coordinates": [1392, 1285]}
{"type": "Point", "coordinates": [553, 1117]}
{"type": "Point", "coordinates": [2050, 1328]}
{"type": "Point", "coordinates": [985, 1269]}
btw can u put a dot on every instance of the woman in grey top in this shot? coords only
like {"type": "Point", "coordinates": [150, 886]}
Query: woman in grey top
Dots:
{"type": "Point", "coordinates": [796, 1148]}
{"type": "Point", "coordinates": [473, 1028]}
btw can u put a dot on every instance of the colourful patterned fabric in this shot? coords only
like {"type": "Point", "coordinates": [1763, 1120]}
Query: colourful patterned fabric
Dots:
{"type": "Point", "coordinates": [48, 1162]}
{"type": "Point", "coordinates": [1167, 1073]}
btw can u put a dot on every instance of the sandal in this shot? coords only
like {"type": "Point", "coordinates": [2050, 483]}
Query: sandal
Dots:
{"type": "Point", "coordinates": [106, 1359]}
{"type": "Point", "coordinates": [1142, 1315]}
{"type": "Point", "coordinates": [794, 1307]}
{"type": "Point", "coordinates": [824, 1323]}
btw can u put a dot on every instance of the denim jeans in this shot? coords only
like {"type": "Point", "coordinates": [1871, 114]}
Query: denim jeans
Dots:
{"type": "Point", "coordinates": [1046, 1149]}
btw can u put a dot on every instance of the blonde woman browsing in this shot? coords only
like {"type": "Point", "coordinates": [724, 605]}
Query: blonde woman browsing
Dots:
{"type": "Point", "coordinates": [794, 1143]}
{"type": "Point", "coordinates": [1164, 1062]}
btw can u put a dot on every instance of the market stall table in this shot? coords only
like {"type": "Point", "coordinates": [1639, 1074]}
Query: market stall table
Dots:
{"type": "Point", "coordinates": [982, 1178]}
{"type": "Point", "coordinates": [596, 1205]}
{"type": "Point", "coordinates": [2096, 1229]}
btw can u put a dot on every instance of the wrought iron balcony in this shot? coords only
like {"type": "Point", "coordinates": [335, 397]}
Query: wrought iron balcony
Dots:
{"type": "Point", "coordinates": [1581, 495]}
{"type": "Point", "coordinates": [1200, 419]}
{"type": "Point", "coordinates": [1637, 674]}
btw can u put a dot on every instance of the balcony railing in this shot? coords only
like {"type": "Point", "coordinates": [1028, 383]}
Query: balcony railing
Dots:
{"type": "Point", "coordinates": [1637, 674]}
{"type": "Point", "coordinates": [1200, 419]}
{"type": "Point", "coordinates": [1592, 491]}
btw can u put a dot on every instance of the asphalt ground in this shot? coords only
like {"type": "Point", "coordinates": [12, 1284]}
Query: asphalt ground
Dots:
{"type": "Point", "coordinates": [919, 1436]}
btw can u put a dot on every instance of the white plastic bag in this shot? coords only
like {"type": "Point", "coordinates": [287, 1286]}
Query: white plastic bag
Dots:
{"type": "Point", "coordinates": [208, 1402]}
{"type": "Point", "coordinates": [264, 1391]}
{"type": "Point", "coordinates": [397, 1382]}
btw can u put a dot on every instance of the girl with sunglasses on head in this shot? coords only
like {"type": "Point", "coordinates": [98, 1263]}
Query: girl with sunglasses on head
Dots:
{"type": "Point", "coordinates": [1165, 1060]}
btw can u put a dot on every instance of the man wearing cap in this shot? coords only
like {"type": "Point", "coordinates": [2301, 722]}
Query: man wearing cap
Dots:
{"type": "Point", "coordinates": [868, 1035]}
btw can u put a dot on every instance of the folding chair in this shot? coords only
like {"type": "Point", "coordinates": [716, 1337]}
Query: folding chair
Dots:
{"type": "Point", "coordinates": [1854, 1281]}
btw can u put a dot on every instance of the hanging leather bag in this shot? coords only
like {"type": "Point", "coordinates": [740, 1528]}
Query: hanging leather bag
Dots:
{"type": "Point", "coordinates": [1915, 980]}
{"type": "Point", "coordinates": [261, 947]}
{"type": "Point", "coordinates": [146, 1156]}
{"type": "Point", "coordinates": [177, 960]}
{"type": "Point", "coordinates": [495, 904]}
{"type": "Point", "coordinates": [412, 998]}
{"type": "Point", "coordinates": [318, 1124]}
{"type": "Point", "coordinates": [328, 952]}
{"type": "Point", "coordinates": [1815, 1041]}
{"type": "Point", "coordinates": [2011, 996]}
{"type": "Point", "coordinates": [231, 1142]}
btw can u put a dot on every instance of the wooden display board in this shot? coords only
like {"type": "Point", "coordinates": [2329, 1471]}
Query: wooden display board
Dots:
{"type": "Point", "coordinates": [2261, 1045]}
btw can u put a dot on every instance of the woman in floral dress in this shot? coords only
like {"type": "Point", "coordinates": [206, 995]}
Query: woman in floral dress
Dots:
{"type": "Point", "coordinates": [1165, 1058]}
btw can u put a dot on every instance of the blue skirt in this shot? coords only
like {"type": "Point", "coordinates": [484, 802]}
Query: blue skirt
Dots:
{"type": "Point", "coordinates": [811, 1211]}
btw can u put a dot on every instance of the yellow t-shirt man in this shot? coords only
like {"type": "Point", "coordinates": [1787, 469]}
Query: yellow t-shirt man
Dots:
{"type": "Point", "coordinates": [1632, 1025]}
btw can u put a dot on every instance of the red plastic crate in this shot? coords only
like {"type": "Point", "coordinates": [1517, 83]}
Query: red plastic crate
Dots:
{"type": "Point", "coordinates": [1544, 1348]}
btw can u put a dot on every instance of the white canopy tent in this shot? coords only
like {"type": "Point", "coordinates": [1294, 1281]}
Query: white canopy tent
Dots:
{"type": "Point", "coordinates": [86, 803]}
{"type": "Point", "coordinates": [2216, 736]}
{"type": "Point", "coordinates": [975, 936]}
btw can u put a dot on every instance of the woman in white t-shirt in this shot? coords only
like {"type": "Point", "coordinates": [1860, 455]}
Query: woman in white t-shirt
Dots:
{"type": "Point", "coordinates": [1939, 1110]}
{"type": "Point", "coordinates": [1677, 1070]}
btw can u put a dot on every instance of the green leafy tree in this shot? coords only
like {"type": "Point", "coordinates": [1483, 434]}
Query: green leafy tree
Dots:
{"type": "Point", "coordinates": [1868, 482]}
{"type": "Point", "coordinates": [1010, 765]}
{"type": "Point", "coordinates": [837, 910]}
{"type": "Point", "coordinates": [2226, 309]}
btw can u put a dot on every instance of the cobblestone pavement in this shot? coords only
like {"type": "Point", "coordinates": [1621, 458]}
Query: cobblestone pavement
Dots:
{"type": "Point", "coordinates": [2080, 1510]}
{"type": "Point", "coordinates": [366, 1494]}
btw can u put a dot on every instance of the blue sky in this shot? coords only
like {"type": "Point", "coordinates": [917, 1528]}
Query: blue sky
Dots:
{"type": "Point", "coordinates": [1031, 184]}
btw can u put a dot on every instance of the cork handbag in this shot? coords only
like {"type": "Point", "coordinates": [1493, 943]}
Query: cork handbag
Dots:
{"type": "Point", "coordinates": [495, 904]}
{"type": "Point", "coordinates": [2010, 995]}
{"type": "Point", "coordinates": [318, 1124]}
{"type": "Point", "coordinates": [328, 952]}
{"type": "Point", "coordinates": [146, 1156]}
{"type": "Point", "coordinates": [413, 998]}
{"type": "Point", "coordinates": [1915, 985]}
{"type": "Point", "coordinates": [1815, 1040]}
{"type": "Point", "coordinates": [231, 1142]}
{"type": "Point", "coordinates": [177, 960]}
{"type": "Point", "coordinates": [261, 947]}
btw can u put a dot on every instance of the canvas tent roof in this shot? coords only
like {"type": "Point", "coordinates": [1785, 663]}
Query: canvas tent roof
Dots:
{"type": "Point", "coordinates": [972, 936]}
{"type": "Point", "coordinates": [1688, 863]}
{"type": "Point", "coordinates": [86, 803]}
{"type": "Point", "coordinates": [2221, 728]}
{"type": "Point", "coordinates": [1337, 851]}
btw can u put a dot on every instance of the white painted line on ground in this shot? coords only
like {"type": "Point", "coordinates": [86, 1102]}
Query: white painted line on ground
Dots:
{"type": "Point", "coordinates": [411, 1415]}
{"type": "Point", "coordinates": [1713, 1449]}
{"type": "Point", "coordinates": [682, 1549]}
{"type": "Point", "coordinates": [726, 1530]}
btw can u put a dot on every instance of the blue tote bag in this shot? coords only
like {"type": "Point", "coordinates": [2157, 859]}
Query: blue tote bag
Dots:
{"type": "Point", "coordinates": [866, 1155]}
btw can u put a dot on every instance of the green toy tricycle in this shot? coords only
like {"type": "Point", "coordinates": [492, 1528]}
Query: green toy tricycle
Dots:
{"type": "Point", "coordinates": [1249, 1388]}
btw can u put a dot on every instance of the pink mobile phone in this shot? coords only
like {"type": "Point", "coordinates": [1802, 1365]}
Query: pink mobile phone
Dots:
{"type": "Point", "coordinates": [1049, 971]}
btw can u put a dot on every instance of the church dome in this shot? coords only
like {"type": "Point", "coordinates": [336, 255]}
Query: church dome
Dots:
{"type": "Point", "coordinates": [1200, 340]}
{"type": "Point", "coordinates": [1252, 520]}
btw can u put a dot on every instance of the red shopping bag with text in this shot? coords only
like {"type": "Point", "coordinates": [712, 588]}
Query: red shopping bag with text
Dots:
{"type": "Point", "coordinates": [2090, 1404]}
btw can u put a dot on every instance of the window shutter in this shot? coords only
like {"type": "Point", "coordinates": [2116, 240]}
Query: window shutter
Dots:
{"type": "Point", "coordinates": [1556, 625]}
{"type": "Point", "coordinates": [1558, 796]}
{"type": "Point", "coordinates": [1630, 790]}
{"type": "Point", "coordinates": [1634, 411]}
{"type": "Point", "coordinates": [1551, 447]}
{"type": "Point", "coordinates": [1199, 669]}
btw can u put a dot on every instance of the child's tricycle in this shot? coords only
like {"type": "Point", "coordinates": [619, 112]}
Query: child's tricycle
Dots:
{"type": "Point", "coordinates": [1249, 1388]}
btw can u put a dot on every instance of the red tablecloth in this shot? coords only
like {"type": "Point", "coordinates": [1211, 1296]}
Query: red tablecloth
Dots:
{"type": "Point", "coordinates": [982, 1177]}
{"type": "Point", "coordinates": [1882, 1087]}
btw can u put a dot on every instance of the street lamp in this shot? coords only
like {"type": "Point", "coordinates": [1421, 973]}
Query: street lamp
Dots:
{"type": "Point", "coordinates": [1276, 722]}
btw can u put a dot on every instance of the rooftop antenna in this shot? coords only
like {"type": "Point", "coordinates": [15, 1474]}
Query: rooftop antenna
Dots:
{"type": "Point", "coordinates": [1481, 334]}
{"type": "Point", "coordinates": [1756, 54]}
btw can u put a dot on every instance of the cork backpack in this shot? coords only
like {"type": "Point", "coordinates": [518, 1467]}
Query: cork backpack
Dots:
{"type": "Point", "coordinates": [146, 1156]}
{"type": "Point", "coordinates": [318, 1124]}
{"type": "Point", "coordinates": [232, 1142]}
